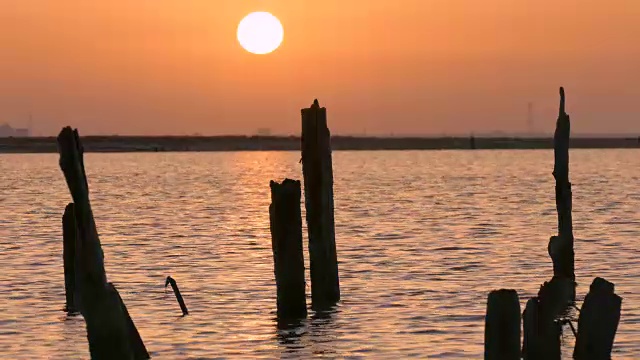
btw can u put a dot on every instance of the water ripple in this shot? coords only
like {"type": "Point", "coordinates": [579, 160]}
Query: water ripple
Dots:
{"type": "Point", "coordinates": [422, 237]}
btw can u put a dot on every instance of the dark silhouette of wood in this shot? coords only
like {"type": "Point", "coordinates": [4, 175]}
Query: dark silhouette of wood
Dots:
{"type": "Point", "coordinates": [111, 332]}
{"type": "Point", "coordinates": [109, 328]}
{"type": "Point", "coordinates": [69, 232]}
{"type": "Point", "coordinates": [598, 322]}
{"type": "Point", "coordinates": [561, 246]}
{"type": "Point", "coordinates": [318, 192]}
{"type": "Point", "coordinates": [135, 340]}
{"type": "Point", "coordinates": [176, 291]}
{"type": "Point", "coordinates": [542, 333]}
{"type": "Point", "coordinates": [502, 326]}
{"type": "Point", "coordinates": [531, 340]}
{"type": "Point", "coordinates": [286, 242]}
{"type": "Point", "coordinates": [556, 297]}
{"type": "Point", "coordinates": [106, 324]}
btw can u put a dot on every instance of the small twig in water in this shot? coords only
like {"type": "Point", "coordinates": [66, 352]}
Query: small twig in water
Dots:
{"type": "Point", "coordinates": [176, 291]}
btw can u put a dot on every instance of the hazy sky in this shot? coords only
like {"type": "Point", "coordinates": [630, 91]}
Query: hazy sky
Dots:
{"type": "Point", "coordinates": [401, 66]}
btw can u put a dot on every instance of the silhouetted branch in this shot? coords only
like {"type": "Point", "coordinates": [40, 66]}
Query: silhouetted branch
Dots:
{"type": "Point", "coordinates": [176, 291]}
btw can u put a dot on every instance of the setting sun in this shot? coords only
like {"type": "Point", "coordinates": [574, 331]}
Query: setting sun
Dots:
{"type": "Point", "coordinates": [260, 33]}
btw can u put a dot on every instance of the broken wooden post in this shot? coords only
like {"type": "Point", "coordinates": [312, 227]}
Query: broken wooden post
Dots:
{"type": "Point", "coordinates": [135, 340]}
{"type": "Point", "coordinates": [68, 257]}
{"type": "Point", "coordinates": [502, 325]}
{"type": "Point", "coordinates": [541, 338]}
{"type": "Point", "coordinates": [286, 242]}
{"type": "Point", "coordinates": [317, 170]}
{"type": "Point", "coordinates": [108, 325]}
{"type": "Point", "coordinates": [561, 246]}
{"type": "Point", "coordinates": [598, 322]}
{"type": "Point", "coordinates": [176, 291]}
{"type": "Point", "coordinates": [530, 339]}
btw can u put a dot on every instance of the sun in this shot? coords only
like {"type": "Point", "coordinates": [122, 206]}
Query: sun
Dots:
{"type": "Point", "coordinates": [260, 32]}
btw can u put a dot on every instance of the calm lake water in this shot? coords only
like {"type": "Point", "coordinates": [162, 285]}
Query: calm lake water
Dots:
{"type": "Point", "coordinates": [422, 237]}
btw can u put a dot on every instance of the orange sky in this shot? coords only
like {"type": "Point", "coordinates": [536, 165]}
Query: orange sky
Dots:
{"type": "Point", "coordinates": [384, 66]}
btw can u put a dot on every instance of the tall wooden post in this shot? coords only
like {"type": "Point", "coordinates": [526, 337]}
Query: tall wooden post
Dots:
{"type": "Point", "coordinates": [69, 232]}
{"type": "Point", "coordinates": [109, 328]}
{"type": "Point", "coordinates": [136, 344]}
{"type": "Point", "coordinates": [502, 326]}
{"type": "Point", "coordinates": [318, 193]}
{"type": "Point", "coordinates": [598, 322]}
{"type": "Point", "coordinates": [286, 242]}
{"type": "Point", "coordinates": [561, 246]}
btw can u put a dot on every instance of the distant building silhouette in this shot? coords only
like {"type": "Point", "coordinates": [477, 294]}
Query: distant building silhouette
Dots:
{"type": "Point", "coordinates": [7, 131]}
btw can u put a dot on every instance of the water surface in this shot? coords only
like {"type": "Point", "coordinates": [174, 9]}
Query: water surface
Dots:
{"type": "Point", "coordinates": [422, 237]}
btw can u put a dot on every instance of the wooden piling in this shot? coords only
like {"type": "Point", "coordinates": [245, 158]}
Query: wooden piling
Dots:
{"type": "Point", "coordinates": [502, 326]}
{"type": "Point", "coordinates": [176, 291]}
{"type": "Point", "coordinates": [69, 258]}
{"type": "Point", "coordinates": [107, 321]}
{"type": "Point", "coordinates": [561, 246]}
{"type": "Point", "coordinates": [106, 325]}
{"type": "Point", "coordinates": [541, 340]}
{"type": "Point", "coordinates": [286, 241]}
{"type": "Point", "coordinates": [317, 170]}
{"type": "Point", "coordinates": [598, 322]}
{"type": "Point", "coordinates": [530, 339]}
{"type": "Point", "coordinates": [135, 341]}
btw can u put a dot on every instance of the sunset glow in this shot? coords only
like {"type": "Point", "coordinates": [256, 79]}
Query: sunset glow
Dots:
{"type": "Point", "coordinates": [260, 33]}
{"type": "Point", "coordinates": [418, 67]}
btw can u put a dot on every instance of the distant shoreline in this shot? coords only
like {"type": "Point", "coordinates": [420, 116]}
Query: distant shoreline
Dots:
{"type": "Point", "coordinates": [292, 143]}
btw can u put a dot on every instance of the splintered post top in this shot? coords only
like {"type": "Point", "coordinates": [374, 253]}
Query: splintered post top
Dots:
{"type": "Point", "coordinates": [562, 112]}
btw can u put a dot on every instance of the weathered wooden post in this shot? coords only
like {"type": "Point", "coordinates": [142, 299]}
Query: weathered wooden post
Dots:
{"type": "Point", "coordinates": [530, 339]}
{"type": "Point", "coordinates": [135, 340]}
{"type": "Point", "coordinates": [317, 170]}
{"type": "Point", "coordinates": [69, 231]}
{"type": "Point", "coordinates": [598, 322]}
{"type": "Point", "coordinates": [109, 328]}
{"type": "Point", "coordinates": [286, 242]}
{"type": "Point", "coordinates": [561, 246]}
{"type": "Point", "coordinates": [541, 340]}
{"type": "Point", "coordinates": [502, 326]}
{"type": "Point", "coordinates": [176, 291]}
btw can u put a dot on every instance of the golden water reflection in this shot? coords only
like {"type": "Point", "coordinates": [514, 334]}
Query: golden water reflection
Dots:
{"type": "Point", "coordinates": [422, 237]}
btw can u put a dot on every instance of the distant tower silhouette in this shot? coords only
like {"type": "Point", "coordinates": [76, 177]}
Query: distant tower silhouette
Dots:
{"type": "Point", "coordinates": [530, 125]}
